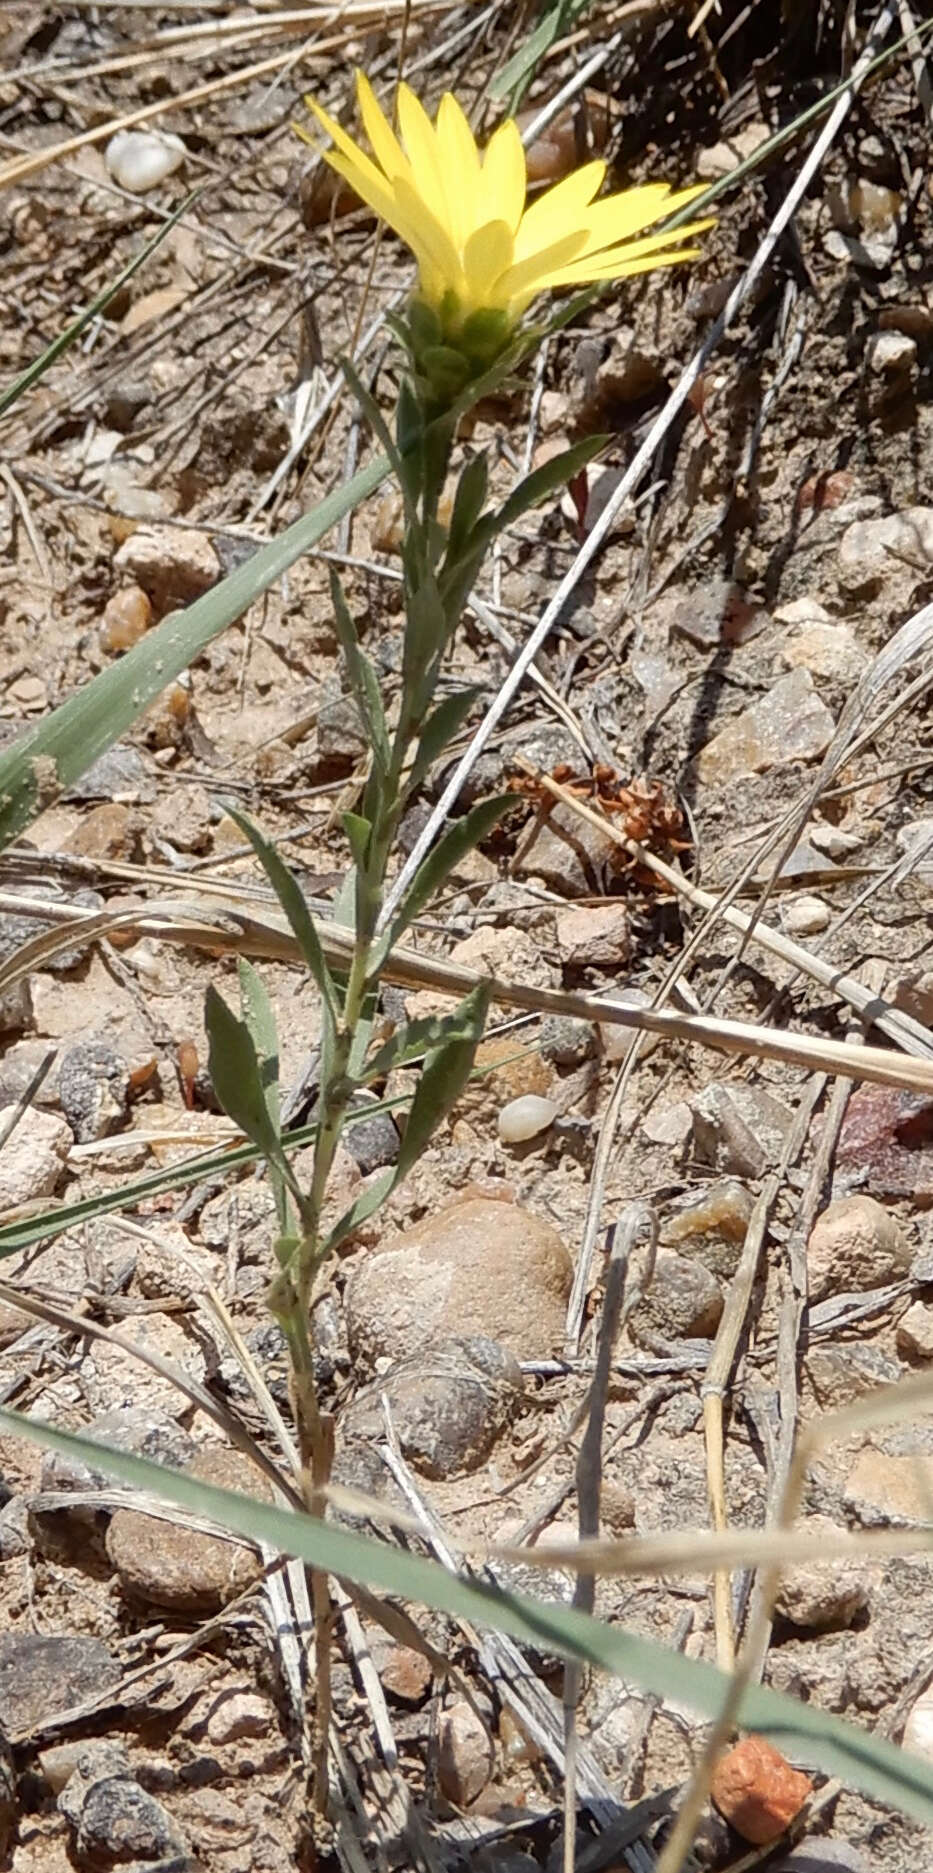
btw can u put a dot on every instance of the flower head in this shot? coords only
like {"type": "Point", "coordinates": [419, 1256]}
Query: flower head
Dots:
{"type": "Point", "coordinates": [480, 249]}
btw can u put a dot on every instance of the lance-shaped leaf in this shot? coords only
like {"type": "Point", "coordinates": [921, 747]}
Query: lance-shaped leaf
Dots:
{"type": "Point", "coordinates": [445, 1074]}
{"type": "Point", "coordinates": [290, 896]}
{"type": "Point", "coordinates": [444, 722]}
{"type": "Point", "coordinates": [363, 679]}
{"type": "Point", "coordinates": [241, 1081]}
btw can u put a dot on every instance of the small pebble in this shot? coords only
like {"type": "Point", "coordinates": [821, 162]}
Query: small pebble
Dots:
{"type": "Point", "coordinates": [914, 1335]}
{"type": "Point", "coordinates": [805, 916]}
{"type": "Point", "coordinates": [891, 354]}
{"type": "Point", "coordinates": [524, 1118]}
{"type": "Point", "coordinates": [758, 1791]}
{"type": "Point", "coordinates": [139, 160]}
{"type": "Point", "coordinates": [465, 1754]}
{"type": "Point", "coordinates": [918, 1730]}
{"type": "Point", "coordinates": [127, 617]}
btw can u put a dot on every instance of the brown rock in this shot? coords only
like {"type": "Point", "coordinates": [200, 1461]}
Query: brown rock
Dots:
{"type": "Point", "coordinates": [594, 936]}
{"type": "Point", "coordinates": [823, 1594]}
{"type": "Point", "coordinates": [915, 1332]}
{"type": "Point", "coordinates": [476, 1267]}
{"type": "Point", "coordinates": [404, 1674]}
{"type": "Point", "coordinates": [166, 1564]}
{"type": "Point", "coordinates": [127, 617]}
{"type": "Point", "coordinates": [465, 1754]}
{"type": "Point", "coordinates": [108, 831]}
{"type": "Point", "coordinates": [855, 1244]}
{"type": "Point", "coordinates": [757, 1790]}
{"type": "Point", "coordinates": [790, 723]}
{"type": "Point", "coordinates": [509, 1070]}
{"type": "Point", "coordinates": [885, 1487]}
{"type": "Point", "coordinates": [173, 565]}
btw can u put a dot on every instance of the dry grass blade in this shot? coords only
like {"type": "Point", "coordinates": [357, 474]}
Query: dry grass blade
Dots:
{"type": "Point", "coordinates": [245, 933]}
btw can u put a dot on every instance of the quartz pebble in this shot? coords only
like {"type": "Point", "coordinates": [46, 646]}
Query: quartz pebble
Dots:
{"type": "Point", "coordinates": [711, 1223]}
{"type": "Point", "coordinates": [891, 354]}
{"type": "Point", "coordinates": [872, 552]}
{"type": "Point", "coordinates": [525, 1118]}
{"type": "Point", "coordinates": [885, 1487]}
{"type": "Point", "coordinates": [32, 1163]}
{"type": "Point", "coordinates": [918, 1730]}
{"type": "Point", "coordinates": [824, 648]}
{"type": "Point", "coordinates": [127, 617]}
{"type": "Point", "coordinates": [758, 1791]}
{"type": "Point", "coordinates": [139, 160]}
{"type": "Point", "coordinates": [806, 916]}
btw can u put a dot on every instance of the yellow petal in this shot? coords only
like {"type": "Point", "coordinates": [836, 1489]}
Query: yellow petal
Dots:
{"type": "Point", "coordinates": [460, 168]}
{"type": "Point", "coordinates": [433, 236]}
{"type": "Point", "coordinates": [421, 149]}
{"type": "Point", "coordinates": [502, 187]}
{"type": "Point", "coordinates": [378, 194]}
{"type": "Point", "coordinates": [536, 274]}
{"type": "Point", "coordinates": [617, 262]}
{"type": "Point", "coordinates": [386, 146]}
{"type": "Point", "coordinates": [558, 209]}
{"type": "Point", "coordinates": [487, 255]}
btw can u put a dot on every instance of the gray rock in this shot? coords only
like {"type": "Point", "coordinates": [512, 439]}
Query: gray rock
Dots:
{"type": "Point", "coordinates": [33, 1160]}
{"type": "Point", "coordinates": [738, 1128]}
{"type": "Point", "coordinates": [42, 1674]}
{"type": "Point", "coordinates": [8, 1803]}
{"type": "Point", "coordinates": [15, 1537]}
{"type": "Point", "coordinates": [93, 1088]}
{"type": "Point", "coordinates": [18, 1069]}
{"type": "Point", "coordinates": [872, 552]}
{"type": "Point", "coordinates": [119, 774]}
{"type": "Point", "coordinates": [567, 1042]}
{"type": "Point", "coordinates": [813, 1855]}
{"type": "Point", "coordinates": [372, 1142]}
{"type": "Point", "coordinates": [15, 931]}
{"type": "Point", "coordinates": [341, 740]}
{"type": "Point", "coordinates": [683, 1302]}
{"type": "Point", "coordinates": [449, 1404]}
{"type": "Point", "coordinates": [144, 1433]}
{"type": "Point", "coordinates": [113, 1819]}
{"type": "Point", "coordinates": [570, 854]}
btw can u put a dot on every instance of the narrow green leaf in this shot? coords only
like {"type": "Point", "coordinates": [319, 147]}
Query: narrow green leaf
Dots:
{"type": "Point", "coordinates": [363, 679]}
{"type": "Point", "coordinates": [444, 1076]}
{"type": "Point", "coordinates": [410, 1042]}
{"type": "Point", "coordinates": [291, 898]}
{"type": "Point", "coordinates": [444, 722]}
{"type": "Point", "coordinates": [359, 832]}
{"type": "Point", "coordinates": [545, 480]}
{"type": "Point", "coordinates": [236, 1075]}
{"type": "Point", "coordinates": [459, 839]}
{"type": "Point", "coordinates": [469, 501]}
{"type": "Point", "coordinates": [259, 1021]}
{"type": "Point", "coordinates": [522, 63]}
{"type": "Point", "coordinates": [858, 1756]}
{"type": "Point", "coordinates": [51, 756]}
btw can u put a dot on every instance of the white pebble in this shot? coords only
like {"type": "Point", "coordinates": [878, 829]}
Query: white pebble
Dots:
{"type": "Point", "coordinates": [918, 1730]}
{"type": "Point", "coordinates": [805, 916]}
{"type": "Point", "coordinates": [891, 353]}
{"type": "Point", "coordinates": [140, 159]}
{"type": "Point", "coordinates": [525, 1117]}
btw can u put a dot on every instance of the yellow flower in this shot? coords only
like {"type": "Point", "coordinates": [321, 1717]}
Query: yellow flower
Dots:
{"type": "Point", "coordinates": [463, 213]}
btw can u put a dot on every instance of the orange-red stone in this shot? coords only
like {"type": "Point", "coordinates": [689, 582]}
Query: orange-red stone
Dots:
{"type": "Point", "coordinates": [758, 1791]}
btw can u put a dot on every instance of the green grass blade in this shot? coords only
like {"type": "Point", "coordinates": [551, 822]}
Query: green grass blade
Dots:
{"type": "Point", "coordinates": [54, 754]}
{"type": "Point", "coordinates": [859, 1758]}
{"type": "Point", "coordinates": [66, 339]}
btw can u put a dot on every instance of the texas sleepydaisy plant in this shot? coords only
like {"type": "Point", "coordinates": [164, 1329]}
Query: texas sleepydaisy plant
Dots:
{"type": "Point", "coordinates": [483, 252]}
